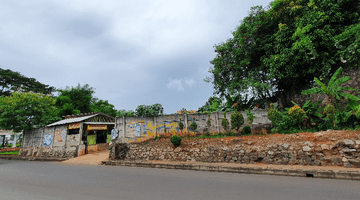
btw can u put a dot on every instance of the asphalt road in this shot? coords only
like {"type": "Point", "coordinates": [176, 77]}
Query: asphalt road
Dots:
{"type": "Point", "coordinates": [42, 180]}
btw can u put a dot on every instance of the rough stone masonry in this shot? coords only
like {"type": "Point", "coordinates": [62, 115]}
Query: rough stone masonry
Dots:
{"type": "Point", "coordinates": [344, 152]}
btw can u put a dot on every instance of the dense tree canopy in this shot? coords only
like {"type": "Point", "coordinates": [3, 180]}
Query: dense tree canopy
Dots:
{"type": "Point", "coordinates": [103, 107]}
{"type": "Point", "coordinates": [74, 100]}
{"type": "Point", "coordinates": [11, 81]}
{"type": "Point", "coordinates": [278, 50]}
{"type": "Point", "coordinates": [24, 111]}
{"type": "Point", "coordinates": [149, 110]}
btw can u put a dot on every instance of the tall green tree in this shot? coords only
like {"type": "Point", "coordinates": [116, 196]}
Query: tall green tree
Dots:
{"type": "Point", "coordinates": [74, 100]}
{"type": "Point", "coordinates": [149, 110]}
{"type": "Point", "coordinates": [11, 81]}
{"type": "Point", "coordinates": [103, 106]}
{"type": "Point", "coordinates": [24, 111]}
{"type": "Point", "coordinates": [277, 51]}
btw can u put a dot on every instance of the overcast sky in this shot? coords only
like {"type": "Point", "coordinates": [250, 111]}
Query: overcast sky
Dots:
{"type": "Point", "coordinates": [131, 52]}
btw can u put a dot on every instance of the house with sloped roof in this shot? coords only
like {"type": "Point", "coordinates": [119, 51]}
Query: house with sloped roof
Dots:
{"type": "Point", "coordinates": [73, 136]}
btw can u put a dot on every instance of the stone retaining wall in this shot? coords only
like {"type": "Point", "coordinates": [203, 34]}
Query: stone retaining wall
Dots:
{"type": "Point", "coordinates": [342, 153]}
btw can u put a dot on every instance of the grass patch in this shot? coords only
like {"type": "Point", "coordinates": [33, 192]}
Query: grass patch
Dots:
{"type": "Point", "coordinates": [10, 153]}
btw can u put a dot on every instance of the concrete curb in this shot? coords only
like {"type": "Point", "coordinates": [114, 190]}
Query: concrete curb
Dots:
{"type": "Point", "coordinates": [43, 159]}
{"type": "Point", "coordinates": [272, 170]}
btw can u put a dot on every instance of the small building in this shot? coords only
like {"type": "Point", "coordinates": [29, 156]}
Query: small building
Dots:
{"type": "Point", "coordinates": [73, 136]}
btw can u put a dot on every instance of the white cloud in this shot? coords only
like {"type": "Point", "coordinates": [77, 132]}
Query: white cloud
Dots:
{"type": "Point", "coordinates": [178, 84]}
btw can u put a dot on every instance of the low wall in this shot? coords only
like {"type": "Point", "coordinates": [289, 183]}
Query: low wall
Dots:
{"type": "Point", "coordinates": [341, 153]}
{"type": "Point", "coordinates": [135, 129]}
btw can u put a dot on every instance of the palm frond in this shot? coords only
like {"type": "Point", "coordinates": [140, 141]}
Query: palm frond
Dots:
{"type": "Point", "coordinates": [341, 80]}
{"type": "Point", "coordinates": [349, 96]}
{"type": "Point", "coordinates": [315, 90]}
{"type": "Point", "coordinates": [320, 83]}
{"type": "Point", "coordinates": [335, 76]}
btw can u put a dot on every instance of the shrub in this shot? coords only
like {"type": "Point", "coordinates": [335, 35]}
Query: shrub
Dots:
{"type": "Point", "coordinates": [297, 114]}
{"type": "Point", "coordinates": [237, 120]}
{"type": "Point", "coordinates": [181, 125]}
{"type": "Point", "coordinates": [193, 125]}
{"type": "Point", "coordinates": [330, 112]}
{"type": "Point", "coordinates": [207, 134]}
{"type": "Point", "coordinates": [251, 116]}
{"type": "Point", "coordinates": [225, 123]}
{"type": "Point", "coordinates": [274, 115]}
{"type": "Point", "coordinates": [246, 130]}
{"type": "Point", "coordinates": [230, 133]}
{"type": "Point", "coordinates": [175, 140]}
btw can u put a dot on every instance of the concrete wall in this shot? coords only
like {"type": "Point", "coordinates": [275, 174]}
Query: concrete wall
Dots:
{"type": "Point", "coordinates": [51, 142]}
{"type": "Point", "coordinates": [135, 129]}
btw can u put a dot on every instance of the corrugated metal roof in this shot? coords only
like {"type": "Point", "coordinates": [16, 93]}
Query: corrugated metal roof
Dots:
{"type": "Point", "coordinates": [71, 120]}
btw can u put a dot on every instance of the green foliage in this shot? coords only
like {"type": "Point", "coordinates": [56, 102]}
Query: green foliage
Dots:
{"type": "Point", "coordinates": [74, 100]}
{"type": "Point", "coordinates": [175, 140]}
{"type": "Point", "coordinates": [150, 110]}
{"type": "Point", "coordinates": [225, 122]}
{"type": "Point", "coordinates": [297, 114]}
{"type": "Point", "coordinates": [207, 134]}
{"type": "Point", "coordinates": [312, 111]}
{"type": "Point", "coordinates": [193, 125]}
{"type": "Point", "coordinates": [103, 107]}
{"type": "Point", "coordinates": [219, 135]}
{"type": "Point", "coordinates": [24, 111]}
{"type": "Point", "coordinates": [237, 120]}
{"type": "Point", "coordinates": [283, 47]}
{"type": "Point", "coordinates": [333, 88]}
{"type": "Point", "coordinates": [330, 112]}
{"type": "Point", "coordinates": [250, 115]}
{"type": "Point", "coordinates": [274, 115]}
{"type": "Point", "coordinates": [181, 125]}
{"type": "Point", "coordinates": [246, 130]}
{"type": "Point", "coordinates": [123, 112]}
{"type": "Point", "coordinates": [212, 105]}
{"type": "Point", "coordinates": [231, 133]}
{"type": "Point", "coordinates": [11, 81]}
{"type": "Point", "coordinates": [208, 121]}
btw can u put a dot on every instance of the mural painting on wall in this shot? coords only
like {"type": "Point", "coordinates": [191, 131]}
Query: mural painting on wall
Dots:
{"type": "Point", "coordinates": [135, 129]}
{"type": "Point", "coordinates": [47, 140]}
{"type": "Point", "coordinates": [60, 135]}
{"type": "Point", "coordinates": [149, 129]}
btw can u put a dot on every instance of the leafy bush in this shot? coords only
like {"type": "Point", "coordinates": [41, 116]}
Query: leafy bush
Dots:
{"type": "Point", "coordinates": [181, 125]}
{"type": "Point", "coordinates": [207, 134]}
{"type": "Point", "coordinates": [246, 130]}
{"type": "Point", "coordinates": [231, 133]}
{"type": "Point", "coordinates": [274, 115]}
{"type": "Point", "coordinates": [237, 120]}
{"type": "Point", "coordinates": [225, 123]}
{"type": "Point", "coordinates": [175, 140]}
{"type": "Point", "coordinates": [193, 125]}
{"type": "Point", "coordinates": [250, 115]}
{"type": "Point", "coordinates": [330, 112]}
{"type": "Point", "coordinates": [297, 114]}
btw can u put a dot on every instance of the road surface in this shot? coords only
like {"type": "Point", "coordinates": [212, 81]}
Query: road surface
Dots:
{"type": "Point", "coordinates": [43, 180]}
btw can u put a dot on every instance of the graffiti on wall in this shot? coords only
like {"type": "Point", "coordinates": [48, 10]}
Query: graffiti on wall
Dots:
{"type": "Point", "coordinates": [60, 135]}
{"type": "Point", "coordinates": [47, 140]}
{"type": "Point", "coordinates": [143, 129]}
